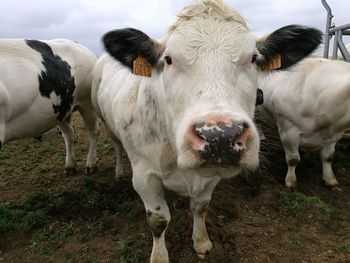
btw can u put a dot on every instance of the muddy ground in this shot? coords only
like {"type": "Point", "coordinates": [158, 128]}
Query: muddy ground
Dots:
{"type": "Point", "coordinates": [47, 216]}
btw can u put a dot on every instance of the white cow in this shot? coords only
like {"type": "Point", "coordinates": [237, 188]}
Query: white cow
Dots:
{"type": "Point", "coordinates": [310, 105]}
{"type": "Point", "coordinates": [41, 84]}
{"type": "Point", "coordinates": [189, 124]}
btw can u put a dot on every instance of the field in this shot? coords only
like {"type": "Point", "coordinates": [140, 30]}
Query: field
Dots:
{"type": "Point", "coordinates": [47, 216]}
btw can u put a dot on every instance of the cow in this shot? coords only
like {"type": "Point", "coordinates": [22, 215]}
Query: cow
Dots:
{"type": "Point", "coordinates": [182, 107]}
{"type": "Point", "coordinates": [41, 84]}
{"type": "Point", "coordinates": [310, 107]}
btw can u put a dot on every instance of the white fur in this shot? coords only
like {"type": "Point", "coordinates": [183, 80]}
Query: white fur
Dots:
{"type": "Point", "coordinates": [309, 104]}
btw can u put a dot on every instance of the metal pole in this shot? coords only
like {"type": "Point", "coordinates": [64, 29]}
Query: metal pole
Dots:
{"type": "Point", "coordinates": [328, 26]}
{"type": "Point", "coordinates": [342, 48]}
{"type": "Point", "coordinates": [335, 46]}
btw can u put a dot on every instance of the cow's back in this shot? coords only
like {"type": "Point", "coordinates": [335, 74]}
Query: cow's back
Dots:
{"type": "Point", "coordinates": [40, 83]}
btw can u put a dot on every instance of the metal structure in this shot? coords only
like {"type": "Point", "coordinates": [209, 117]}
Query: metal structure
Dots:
{"type": "Point", "coordinates": [338, 32]}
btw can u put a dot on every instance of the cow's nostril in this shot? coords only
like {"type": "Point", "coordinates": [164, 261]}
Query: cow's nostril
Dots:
{"type": "Point", "coordinates": [197, 130]}
{"type": "Point", "coordinates": [240, 144]}
{"type": "Point", "coordinates": [245, 125]}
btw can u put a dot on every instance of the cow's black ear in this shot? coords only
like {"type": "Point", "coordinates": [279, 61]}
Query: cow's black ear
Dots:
{"type": "Point", "coordinates": [128, 43]}
{"type": "Point", "coordinates": [292, 43]}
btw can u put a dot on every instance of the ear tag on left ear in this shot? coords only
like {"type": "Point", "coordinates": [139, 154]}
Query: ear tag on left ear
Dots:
{"type": "Point", "coordinates": [142, 67]}
{"type": "Point", "coordinates": [275, 63]}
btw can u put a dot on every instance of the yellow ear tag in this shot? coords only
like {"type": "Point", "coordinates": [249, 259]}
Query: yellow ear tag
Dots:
{"type": "Point", "coordinates": [142, 67]}
{"type": "Point", "coordinates": [275, 63]}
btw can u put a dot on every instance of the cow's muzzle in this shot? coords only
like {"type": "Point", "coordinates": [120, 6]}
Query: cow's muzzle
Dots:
{"type": "Point", "coordinates": [219, 142]}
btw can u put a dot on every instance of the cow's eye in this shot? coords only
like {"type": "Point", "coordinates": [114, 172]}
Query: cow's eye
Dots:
{"type": "Point", "coordinates": [168, 60]}
{"type": "Point", "coordinates": [254, 58]}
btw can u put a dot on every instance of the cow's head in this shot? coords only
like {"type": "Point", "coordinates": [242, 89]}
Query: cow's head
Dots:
{"type": "Point", "coordinates": [207, 66]}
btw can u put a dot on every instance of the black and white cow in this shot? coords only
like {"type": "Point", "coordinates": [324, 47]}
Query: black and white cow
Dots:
{"type": "Point", "coordinates": [189, 124]}
{"type": "Point", "coordinates": [41, 84]}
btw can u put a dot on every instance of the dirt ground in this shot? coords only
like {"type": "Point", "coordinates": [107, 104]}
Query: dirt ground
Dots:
{"type": "Point", "coordinates": [47, 216]}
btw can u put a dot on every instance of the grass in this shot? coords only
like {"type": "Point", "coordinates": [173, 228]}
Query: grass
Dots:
{"type": "Point", "coordinates": [18, 219]}
{"type": "Point", "coordinates": [35, 199]}
{"type": "Point", "coordinates": [53, 236]}
{"type": "Point", "coordinates": [106, 145]}
{"type": "Point", "coordinates": [341, 249]}
{"type": "Point", "coordinates": [296, 242]}
{"type": "Point", "coordinates": [90, 196]}
{"type": "Point", "coordinates": [5, 154]}
{"type": "Point", "coordinates": [46, 147]}
{"type": "Point", "coordinates": [297, 202]}
{"type": "Point", "coordinates": [24, 217]}
{"type": "Point", "coordinates": [91, 230]}
{"type": "Point", "coordinates": [128, 254]}
{"type": "Point", "coordinates": [127, 209]}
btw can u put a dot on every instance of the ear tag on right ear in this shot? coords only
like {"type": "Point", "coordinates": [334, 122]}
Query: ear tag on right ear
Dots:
{"type": "Point", "coordinates": [142, 67]}
{"type": "Point", "coordinates": [275, 63]}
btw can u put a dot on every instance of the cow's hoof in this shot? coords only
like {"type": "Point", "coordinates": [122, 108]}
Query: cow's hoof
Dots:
{"type": "Point", "coordinates": [70, 171]}
{"type": "Point", "coordinates": [331, 183]}
{"type": "Point", "coordinates": [91, 170]}
{"type": "Point", "coordinates": [202, 255]}
{"type": "Point", "coordinates": [203, 248]}
{"type": "Point", "coordinates": [336, 189]}
{"type": "Point", "coordinates": [291, 186]}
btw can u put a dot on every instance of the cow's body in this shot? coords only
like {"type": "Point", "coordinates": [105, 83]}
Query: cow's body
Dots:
{"type": "Point", "coordinates": [41, 84]}
{"type": "Point", "coordinates": [190, 124]}
{"type": "Point", "coordinates": [310, 105]}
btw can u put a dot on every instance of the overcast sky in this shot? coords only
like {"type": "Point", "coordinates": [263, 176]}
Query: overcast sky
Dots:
{"type": "Point", "coordinates": [86, 21]}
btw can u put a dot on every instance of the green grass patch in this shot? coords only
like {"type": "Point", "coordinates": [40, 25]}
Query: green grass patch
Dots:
{"type": "Point", "coordinates": [341, 249]}
{"type": "Point", "coordinates": [106, 145]}
{"type": "Point", "coordinates": [48, 147]}
{"type": "Point", "coordinates": [96, 229]}
{"type": "Point", "coordinates": [17, 219]}
{"type": "Point", "coordinates": [90, 196]}
{"type": "Point", "coordinates": [127, 209]}
{"type": "Point", "coordinates": [5, 154]}
{"type": "Point", "coordinates": [54, 235]}
{"type": "Point", "coordinates": [297, 202]}
{"type": "Point", "coordinates": [128, 254]}
{"type": "Point", "coordinates": [35, 199]}
{"type": "Point", "coordinates": [29, 215]}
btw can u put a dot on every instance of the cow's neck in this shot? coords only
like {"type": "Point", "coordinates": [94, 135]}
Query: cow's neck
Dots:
{"type": "Point", "coordinates": [153, 122]}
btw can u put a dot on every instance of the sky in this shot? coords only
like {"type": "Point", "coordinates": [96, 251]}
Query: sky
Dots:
{"type": "Point", "coordinates": [85, 21]}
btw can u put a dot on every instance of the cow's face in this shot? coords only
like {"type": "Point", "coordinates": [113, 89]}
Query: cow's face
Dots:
{"type": "Point", "coordinates": [208, 68]}
{"type": "Point", "coordinates": [210, 87]}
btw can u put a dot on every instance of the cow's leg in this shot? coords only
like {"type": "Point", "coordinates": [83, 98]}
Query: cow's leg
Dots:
{"type": "Point", "coordinates": [199, 205]}
{"type": "Point", "coordinates": [119, 153]}
{"type": "Point", "coordinates": [91, 124]}
{"type": "Point", "coordinates": [2, 134]}
{"type": "Point", "coordinates": [327, 153]}
{"type": "Point", "coordinates": [150, 189]}
{"type": "Point", "coordinates": [68, 135]}
{"type": "Point", "coordinates": [291, 148]}
{"type": "Point", "coordinates": [119, 171]}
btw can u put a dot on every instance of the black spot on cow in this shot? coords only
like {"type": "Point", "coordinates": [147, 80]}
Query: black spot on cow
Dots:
{"type": "Point", "coordinates": [55, 78]}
